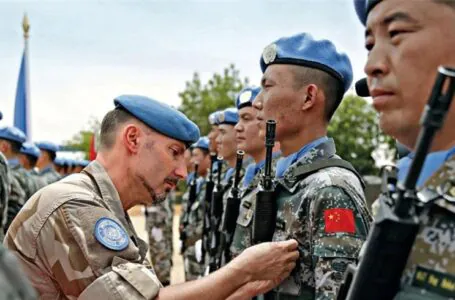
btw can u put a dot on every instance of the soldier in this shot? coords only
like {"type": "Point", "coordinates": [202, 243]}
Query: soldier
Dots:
{"type": "Point", "coordinates": [192, 256]}
{"type": "Point", "coordinates": [5, 187]}
{"type": "Point", "coordinates": [86, 246]}
{"type": "Point", "coordinates": [22, 185]}
{"type": "Point", "coordinates": [45, 162]}
{"type": "Point", "coordinates": [214, 131]}
{"type": "Point", "coordinates": [320, 199]}
{"type": "Point", "coordinates": [28, 156]}
{"type": "Point", "coordinates": [249, 140]}
{"type": "Point", "coordinates": [407, 41]}
{"type": "Point", "coordinates": [159, 229]}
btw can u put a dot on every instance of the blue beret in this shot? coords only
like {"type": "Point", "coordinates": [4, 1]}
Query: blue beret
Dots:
{"type": "Point", "coordinates": [12, 134]}
{"type": "Point", "coordinates": [202, 143]}
{"type": "Point", "coordinates": [213, 118]}
{"type": "Point", "coordinates": [303, 50]}
{"type": "Point", "coordinates": [48, 146]}
{"type": "Point", "coordinates": [160, 117]}
{"type": "Point", "coordinates": [30, 149]}
{"type": "Point", "coordinates": [69, 162]}
{"type": "Point", "coordinates": [60, 161]}
{"type": "Point", "coordinates": [246, 97]}
{"type": "Point", "coordinates": [228, 116]}
{"type": "Point", "coordinates": [363, 7]}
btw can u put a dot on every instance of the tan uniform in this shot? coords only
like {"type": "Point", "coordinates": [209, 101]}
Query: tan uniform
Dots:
{"type": "Point", "coordinates": [74, 239]}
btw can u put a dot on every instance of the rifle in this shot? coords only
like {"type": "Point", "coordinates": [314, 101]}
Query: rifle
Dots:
{"type": "Point", "coordinates": [232, 209]}
{"type": "Point", "coordinates": [265, 211]}
{"type": "Point", "coordinates": [207, 200]}
{"type": "Point", "coordinates": [191, 198]}
{"type": "Point", "coordinates": [396, 226]}
{"type": "Point", "coordinates": [216, 212]}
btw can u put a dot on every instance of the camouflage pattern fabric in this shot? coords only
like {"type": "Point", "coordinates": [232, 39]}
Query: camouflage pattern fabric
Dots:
{"type": "Point", "coordinates": [160, 240]}
{"type": "Point", "coordinates": [326, 213]}
{"type": "Point", "coordinates": [49, 175]}
{"type": "Point", "coordinates": [5, 187]}
{"type": "Point", "coordinates": [16, 199]}
{"type": "Point", "coordinates": [194, 268]}
{"type": "Point", "coordinates": [244, 229]}
{"type": "Point", "coordinates": [53, 238]}
{"type": "Point", "coordinates": [430, 270]}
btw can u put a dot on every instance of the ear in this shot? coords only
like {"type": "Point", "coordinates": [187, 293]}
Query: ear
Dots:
{"type": "Point", "coordinates": [130, 136]}
{"type": "Point", "coordinates": [311, 95]}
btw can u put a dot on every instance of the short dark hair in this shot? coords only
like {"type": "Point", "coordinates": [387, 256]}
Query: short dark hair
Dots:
{"type": "Point", "coordinates": [52, 154]}
{"type": "Point", "coordinates": [31, 160]}
{"type": "Point", "coordinates": [332, 87]}
{"type": "Point", "coordinates": [109, 125]}
{"type": "Point", "coordinates": [15, 146]}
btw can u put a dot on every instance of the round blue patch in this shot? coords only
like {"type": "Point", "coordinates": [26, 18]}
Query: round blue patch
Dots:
{"type": "Point", "coordinates": [111, 235]}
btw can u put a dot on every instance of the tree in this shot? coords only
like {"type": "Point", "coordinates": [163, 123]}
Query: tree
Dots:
{"type": "Point", "coordinates": [81, 140]}
{"type": "Point", "coordinates": [355, 129]}
{"type": "Point", "coordinates": [199, 100]}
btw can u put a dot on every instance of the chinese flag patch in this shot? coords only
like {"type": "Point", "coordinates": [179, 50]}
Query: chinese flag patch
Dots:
{"type": "Point", "coordinates": [339, 220]}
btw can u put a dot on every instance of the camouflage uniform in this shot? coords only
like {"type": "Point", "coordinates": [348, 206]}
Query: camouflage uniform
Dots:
{"type": "Point", "coordinates": [430, 270]}
{"type": "Point", "coordinates": [312, 210]}
{"type": "Point", "coordinates": [193, 267]}
{"type": "Point", "coordinates": [49, 175]}
{"type": "Point", "coordinates": [244, 229]}
{"type": "Point", "coordinates": [17, 197]}
{"type": "Point", "coordinates": [4, 193]}
{"type": "Point", "coordinates": [160, 239]}
{"type": "Point", "coordinates": [53, 237]}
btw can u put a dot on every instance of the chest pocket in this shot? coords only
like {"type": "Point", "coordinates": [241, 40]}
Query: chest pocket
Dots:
{"type": "Point", "coordinates": [246, 211]}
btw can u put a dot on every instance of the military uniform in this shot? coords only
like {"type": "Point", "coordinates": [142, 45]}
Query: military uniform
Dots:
{"type": "Point", "coordinates": [49, 175]}
{"type": "Point", "coordinates": [5, 187]}
{"type": "Point", "coordinates": [192, 264]}
{"type": "Point", "coordinates": [326, 213]}
{"type": "Point", "coordinates": [74, 239]}
{"type": "Point", "coordinates": [244, 229]}
{"type": "Point", "coordinates": [159, 228]}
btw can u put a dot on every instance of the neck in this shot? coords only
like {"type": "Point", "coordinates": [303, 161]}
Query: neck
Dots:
{"type": "Point", "coordinates": [443, 140]}
{"type": "Point", "coordinates": [258, 156]}
{"type": "Point", "coordinates": [118, 173]}
{"type": "Point", "coordinates": [292, 144]}
{"type": "Point", "coordinates": [231, 161]}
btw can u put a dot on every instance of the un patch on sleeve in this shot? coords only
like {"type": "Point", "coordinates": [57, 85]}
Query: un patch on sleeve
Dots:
{"type": "Point", "coordinates": [110, 234]}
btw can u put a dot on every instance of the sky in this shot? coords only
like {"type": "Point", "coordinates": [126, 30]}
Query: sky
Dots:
{"type": "Point", "coordinates": [83, 54]}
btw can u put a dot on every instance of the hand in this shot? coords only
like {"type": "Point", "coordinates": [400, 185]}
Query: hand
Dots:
{"type": "Point", "coordinates": [267, 261]}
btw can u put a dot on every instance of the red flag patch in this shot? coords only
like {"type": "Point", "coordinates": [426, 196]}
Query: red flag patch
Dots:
{"type": "Point", "coordinates": [339, 220]}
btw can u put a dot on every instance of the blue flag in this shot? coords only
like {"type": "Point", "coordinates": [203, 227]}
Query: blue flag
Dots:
{"type": "Point", "coordinates": [22, 106]}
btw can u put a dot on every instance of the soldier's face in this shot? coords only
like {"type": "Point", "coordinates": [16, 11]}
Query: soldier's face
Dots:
{"type": "Point", "coordinates": [407, 41]}
{"type": "Point", "coordinates": [280, 100]}
{"type": "Point", "coordinates": [202, 159]}
{"type": "Point", "coordinates": [213, 134]}
{"type": "Point", "coordinates": [225, 142]}
{"type": "Point", "coordinates": [158, 164]}
{"type": "Point", "coordinates": [247, 131]}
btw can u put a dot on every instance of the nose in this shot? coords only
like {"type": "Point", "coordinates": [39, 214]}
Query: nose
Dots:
{"type": "Point", "coordinates": [257, 102]}
{"type": "Point", "coordinates": [377, 64]}
{"type": "Point", "coordinates": [181, 170]}
{"type": "Point", "coordinates": [238, 127]}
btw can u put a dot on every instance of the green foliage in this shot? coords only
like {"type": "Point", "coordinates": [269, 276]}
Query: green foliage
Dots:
{"type": "Point", "coordinates": [199, 100]}
{"type": "Point", "coordinates": [356, 132]}
{"type": "Point", "coordinates": [81, 140]}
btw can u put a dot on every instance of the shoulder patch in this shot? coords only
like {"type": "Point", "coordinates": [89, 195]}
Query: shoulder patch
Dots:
{"type": "Point", "coordinates": [111, 234]}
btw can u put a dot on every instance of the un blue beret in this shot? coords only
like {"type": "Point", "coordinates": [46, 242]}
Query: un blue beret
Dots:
{"type": "Point", "coordinates": [30, 149]}
{"type": "Point", "coordinates": [363, 7]}
{"type": "Point", "coordinates": [48, 146]}
{"type": "Point", "coordinates": [12, 134]}
{"type": "Point", "coordinates": [213, 118]}
{"type": "Point", "coordinates": [202, 143]}
{"type": "Point", "coordinates": [228, 116]}
{"type": "Point", "coordinates": [60, 161]}
{"type": "Point", "coordinates": [160, 117]}
{"type": "Point", "coordinates": [246, 97]}
{"type": "Point", "coordinates": [303, 50]}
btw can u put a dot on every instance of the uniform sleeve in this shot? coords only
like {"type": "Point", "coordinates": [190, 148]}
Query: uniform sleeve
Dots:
{"type": "Point", "coordinates": [338, 234]}
{"type": "Point", "coordinates": [81, 266]}
{"type": "Point", "coordinates": [16, 200]}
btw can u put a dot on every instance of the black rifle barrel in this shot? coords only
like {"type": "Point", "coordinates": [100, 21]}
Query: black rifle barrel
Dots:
{"type": "Point", "coordinates": [269, 144]}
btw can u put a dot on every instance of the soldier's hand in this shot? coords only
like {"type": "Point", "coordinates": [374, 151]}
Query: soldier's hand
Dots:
{"type": "Point", "coordinates": [268, 261]}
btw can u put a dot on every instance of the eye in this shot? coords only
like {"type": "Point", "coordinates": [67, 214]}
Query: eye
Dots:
{"type": "Point", "coordinates": [174, 152]}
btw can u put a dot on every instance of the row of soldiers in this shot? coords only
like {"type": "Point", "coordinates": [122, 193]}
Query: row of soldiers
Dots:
{"type": "Point", "coordinates": [251, 189]}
